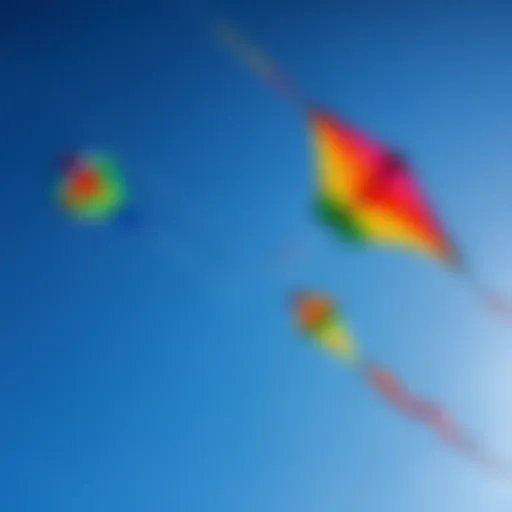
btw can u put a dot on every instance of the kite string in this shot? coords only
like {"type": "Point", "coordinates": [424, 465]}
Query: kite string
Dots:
{"type": "Point", "coordinates": [259, 62]}
{"type": "Point", "coordinates": [188, 261]}
{"type": "Point", "coordinates": [229, 36]}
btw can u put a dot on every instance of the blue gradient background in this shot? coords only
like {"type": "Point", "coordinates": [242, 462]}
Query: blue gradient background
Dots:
{"type": "Point", "coordinates": [130, 379]}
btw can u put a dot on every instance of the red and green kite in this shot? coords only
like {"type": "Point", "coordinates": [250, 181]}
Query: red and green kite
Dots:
{"type": "Point", "coordinates": [91, 188]}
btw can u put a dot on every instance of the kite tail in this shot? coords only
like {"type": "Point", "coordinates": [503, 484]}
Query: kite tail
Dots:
{"type": "Point", "coordinates": [257, 61]}
{"type": "Point", "coordinates": [431, 415]}
{"type": "Point", "coordinates": [498, 304]}
{"type": "Point", "coordinates": [485, 460]}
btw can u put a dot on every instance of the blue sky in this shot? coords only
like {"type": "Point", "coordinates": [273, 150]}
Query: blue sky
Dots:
{"type": "Point", "coordinates": [159, 370]}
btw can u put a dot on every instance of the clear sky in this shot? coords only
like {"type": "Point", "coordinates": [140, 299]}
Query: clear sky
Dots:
{"type": "Point", "coordinates": [131, 378]}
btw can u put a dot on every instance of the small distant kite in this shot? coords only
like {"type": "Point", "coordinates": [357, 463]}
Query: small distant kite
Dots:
{"type": "Point", "coordinates": [318, 318]}
{"type": "Point", "coordinates": [92, 188]}
{"type": "Point", "coordinates": [366, 192]}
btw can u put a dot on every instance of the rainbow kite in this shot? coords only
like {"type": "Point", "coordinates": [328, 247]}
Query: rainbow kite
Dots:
{"type": "Point", "coordinates": [318, 318]}
{"type": "Point", "coordinates": [366, 192]}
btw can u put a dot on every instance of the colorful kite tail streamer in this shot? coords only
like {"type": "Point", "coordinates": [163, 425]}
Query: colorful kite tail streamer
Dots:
{"type": "Point", "coordinates": [254, 58]}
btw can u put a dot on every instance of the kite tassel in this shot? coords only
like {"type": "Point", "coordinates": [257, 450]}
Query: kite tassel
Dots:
{"type": "Point", "coordinates": [499, 305]}
{"type": "Point", "coordinates": [495, 302]}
